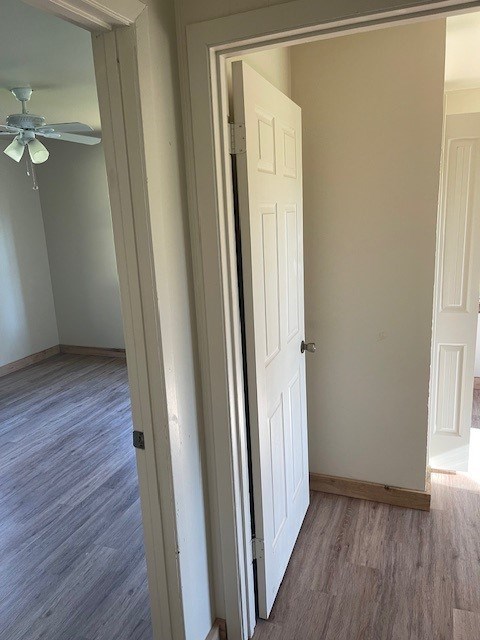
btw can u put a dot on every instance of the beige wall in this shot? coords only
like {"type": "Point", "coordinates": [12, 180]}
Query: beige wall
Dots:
{"type": "Point", "coordinates": [462, 101]}
{"type": "Point", "coordinates": [190, 11]}
{"type": "Point", "coordinates": [273, 64]}
{"type": "Point", "coordinates": [372, 128]}
{"type": "Point", "coordinates": [78, 228]}
{"type": "Point", "coordinates": [27, 313]}
{"type": "Point", "coordinates": [174, 278]}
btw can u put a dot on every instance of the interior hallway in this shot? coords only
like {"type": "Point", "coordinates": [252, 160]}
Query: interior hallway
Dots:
{"type": "Point", "coordinates": [72, 561]}
{"type": "Point", "coordinates": [368, 571]}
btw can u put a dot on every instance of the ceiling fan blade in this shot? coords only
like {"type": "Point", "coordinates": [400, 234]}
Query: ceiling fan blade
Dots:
{"type": "Point", "coordinates": [38, 151]}
{"type": "Point", "coordinates": [7, 133]}
{"type": "Point", "coordinates": [66, 127]}
{"type": "Point", "coordinates": [15, 150]}
{"type": "Point", "coordinates": [69, 137]}
{"type": "Point", "coordinates": [7, 128]}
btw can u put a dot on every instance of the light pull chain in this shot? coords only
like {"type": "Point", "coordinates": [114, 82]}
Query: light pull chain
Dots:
{"type": "Point", "coordinates": [31, 171]}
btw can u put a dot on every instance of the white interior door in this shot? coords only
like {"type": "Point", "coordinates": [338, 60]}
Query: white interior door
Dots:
{"type": "Point", "coordinates": [456, 295]}
{"type": "Point", "coordinates": [269, 172]}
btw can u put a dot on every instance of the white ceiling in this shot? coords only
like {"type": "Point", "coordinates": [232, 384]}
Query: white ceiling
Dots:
{"type": "Point", "coordinates": [54, 58]}
{"type": "Point", "coordinates": [462, 61]}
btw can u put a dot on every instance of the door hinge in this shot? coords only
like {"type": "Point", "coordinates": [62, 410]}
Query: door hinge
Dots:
{"type": "Point", "coordinates": [138, 440]}
{"type": "Point", "coordinates": [258, 548]}
{"type": "Point", "coordinates": [238, 143]}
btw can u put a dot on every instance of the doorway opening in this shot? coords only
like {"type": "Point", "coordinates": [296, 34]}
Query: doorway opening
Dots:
{"type": "Point", "coordinates": [367, 306]}
{"type": "Point", "coordinates": [72, 550]}
{"type": "Point", "coordinates": [453, 436]}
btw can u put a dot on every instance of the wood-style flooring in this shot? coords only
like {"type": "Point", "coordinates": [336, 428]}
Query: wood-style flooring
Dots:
{"type": "Point", "coordinates": [72, 563]}
{"type": "Point", "coordinates": [368, 571]}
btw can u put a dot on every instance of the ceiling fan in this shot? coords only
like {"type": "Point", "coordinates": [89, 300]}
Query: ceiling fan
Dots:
{"type": "Point", "coordinates": [26, 127]}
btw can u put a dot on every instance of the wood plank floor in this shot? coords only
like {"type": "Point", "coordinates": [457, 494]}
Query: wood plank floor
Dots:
{"type": "Point", "coordinates": [72, 562]}
{"type": "Point", "coordinates": [368, 571]}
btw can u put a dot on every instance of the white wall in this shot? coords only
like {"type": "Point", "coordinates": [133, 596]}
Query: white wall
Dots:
{"type": "Point", "coordinates": [372, 127]}
{"type": "Point", "coordinates": [78, 228]}
{"type": "Point", "coordinates": [27, 315]}
{"type": "Point", "coordinates": [462, 101]}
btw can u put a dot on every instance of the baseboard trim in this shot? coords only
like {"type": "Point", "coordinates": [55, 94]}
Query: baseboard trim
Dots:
{"type": "Point", "coordinates": [396, 496]}
{"type": "Point", "coordinates": [28, 360]}
{"type": "Point", "coordinates": [448, 472]}
{"type": "Point", "coordinates": [218, 631]}
{"type": "Point", "coordinates": [92, 351]}
{"type": "Point", "coordinates": [11, 367]}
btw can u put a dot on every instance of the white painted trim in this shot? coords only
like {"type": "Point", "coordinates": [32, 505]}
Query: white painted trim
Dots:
{"type": "Point", "coordinates": [123, 65]}
{"type": "Point", "coordinates": [119, 98]}
{"type": "Point", "coordinates": [94, 15]}
{"type": "Point", "coordinates": [211, 211]}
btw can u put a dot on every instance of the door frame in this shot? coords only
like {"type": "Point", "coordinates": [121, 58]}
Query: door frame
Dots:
{"type": "Point", "coordinates": [122, 63]}
{"type": "Point", "coordinates": [207, 47]}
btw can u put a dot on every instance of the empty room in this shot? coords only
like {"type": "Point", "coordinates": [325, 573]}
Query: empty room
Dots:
{"type": "Point", "coordinates": [72, 558]}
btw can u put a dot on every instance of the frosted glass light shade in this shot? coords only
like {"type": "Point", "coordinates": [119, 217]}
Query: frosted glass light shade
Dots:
{"type": "Point", "coordinates": [38, 152]}
{"type": "Point", "coordinates": [15, 150]}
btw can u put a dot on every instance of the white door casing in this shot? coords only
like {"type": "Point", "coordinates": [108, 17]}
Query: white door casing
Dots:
{"type": "Point", "coordinates": [269, 173]}
{"type": "Point", "coordinates": [456, 295]}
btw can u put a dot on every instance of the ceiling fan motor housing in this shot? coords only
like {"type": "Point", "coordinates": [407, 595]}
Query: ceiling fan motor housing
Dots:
{"type": "Point", "coordinates": [22, 94]}
{"type": "Point", "coordinates": [25, 121]}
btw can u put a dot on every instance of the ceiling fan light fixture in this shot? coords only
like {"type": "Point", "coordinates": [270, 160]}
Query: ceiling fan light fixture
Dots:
{"type": "Point", "coordinates": [27, 126]}
{"type": "Point", "coordinates": [15, 150]}
{"type": "Point", "coordinates": [38, 152]}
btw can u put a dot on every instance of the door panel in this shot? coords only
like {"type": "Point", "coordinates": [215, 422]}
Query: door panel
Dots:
{"type": "Point", "coordinates": [271, 301]}
{"type": "Point", "coordinates": [291, 232]}
{"type": "Point", "coordinates": [269, 179]}
{"type": "Point", "coordinates": [457, 294]}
